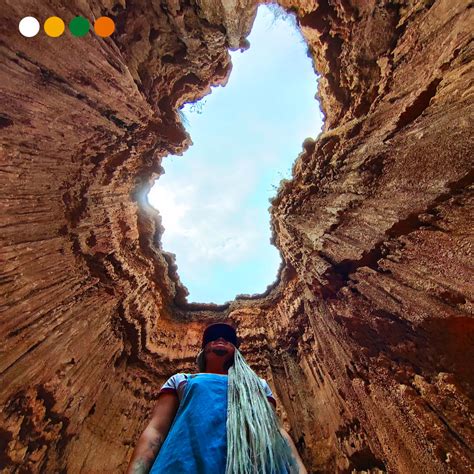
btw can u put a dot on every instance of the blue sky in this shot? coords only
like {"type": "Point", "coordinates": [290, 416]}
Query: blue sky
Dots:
{"type": "Point", "coordinates": [214, 199]}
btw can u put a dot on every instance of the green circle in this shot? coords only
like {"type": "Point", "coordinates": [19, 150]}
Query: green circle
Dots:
{"type": "Point", "coordinates": [79, 26]}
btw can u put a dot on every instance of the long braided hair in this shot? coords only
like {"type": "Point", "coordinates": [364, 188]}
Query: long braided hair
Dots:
{"type": "Point", "coordinates": [255, 444]}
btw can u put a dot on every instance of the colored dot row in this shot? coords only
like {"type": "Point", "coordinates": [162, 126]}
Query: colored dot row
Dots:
{"type": "Point", "coordinates": [54, 27]}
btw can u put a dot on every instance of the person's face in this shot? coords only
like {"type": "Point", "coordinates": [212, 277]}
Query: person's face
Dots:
{"type": "Point", "coordinates": [220, 347]}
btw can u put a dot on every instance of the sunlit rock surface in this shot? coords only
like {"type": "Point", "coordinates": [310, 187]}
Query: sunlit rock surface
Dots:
{"type": "Point", "coordinates": [366, 337]}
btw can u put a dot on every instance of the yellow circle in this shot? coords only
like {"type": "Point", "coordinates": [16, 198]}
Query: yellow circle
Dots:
{"type": "Point", "coordinates": [54, 26]}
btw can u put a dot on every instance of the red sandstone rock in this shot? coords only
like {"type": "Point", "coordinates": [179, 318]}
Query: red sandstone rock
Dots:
{"type": "Point", "coordinates": [371, 316]}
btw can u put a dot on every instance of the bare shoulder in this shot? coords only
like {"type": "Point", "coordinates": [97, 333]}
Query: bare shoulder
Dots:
{"type": "Point", "coordinates": [164, 410]}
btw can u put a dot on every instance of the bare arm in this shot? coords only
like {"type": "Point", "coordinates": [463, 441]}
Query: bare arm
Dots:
{"type": "Point", "coordinates": [296, 455]}
{"type": "Point", "coordinates": [155, 433]}
{"type": "Point", "coordinates": [301, 468]}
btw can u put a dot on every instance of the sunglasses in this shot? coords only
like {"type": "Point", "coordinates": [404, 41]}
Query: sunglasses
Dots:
{"type": "Point", "coordinates": [211, 339]}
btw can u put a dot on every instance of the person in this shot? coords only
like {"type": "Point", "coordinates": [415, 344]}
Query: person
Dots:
{"type": "Point", "coordinates": [221, 420]}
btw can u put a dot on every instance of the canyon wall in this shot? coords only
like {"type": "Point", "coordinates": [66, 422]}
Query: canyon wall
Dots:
{"type": "Point", "coordinates": [367, 335]}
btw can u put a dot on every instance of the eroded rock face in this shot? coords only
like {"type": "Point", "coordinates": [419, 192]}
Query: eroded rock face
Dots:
{"type": "Point", "coordinates": [366, 337]}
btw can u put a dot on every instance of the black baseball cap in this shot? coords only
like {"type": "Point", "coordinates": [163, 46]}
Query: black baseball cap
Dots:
{"type": "Point", "coordinates": [216, 330]}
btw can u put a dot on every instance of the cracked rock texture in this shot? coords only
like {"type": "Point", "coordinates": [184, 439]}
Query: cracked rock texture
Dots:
{"type": "Point", "coordinates": [366, 336]}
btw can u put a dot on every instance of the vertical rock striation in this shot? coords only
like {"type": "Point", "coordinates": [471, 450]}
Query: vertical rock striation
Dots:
{"type": "Point", "coordinates": [366, 336]}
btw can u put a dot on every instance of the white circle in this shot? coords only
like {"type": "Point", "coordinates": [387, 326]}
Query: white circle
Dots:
{"type": "Point", "coordinates": [29, 26]}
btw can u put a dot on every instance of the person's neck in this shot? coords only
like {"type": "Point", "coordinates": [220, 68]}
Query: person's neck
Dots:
{"type": "Point", "coordinates": [216, 367]}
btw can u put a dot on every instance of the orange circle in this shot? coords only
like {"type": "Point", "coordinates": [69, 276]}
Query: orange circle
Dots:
{"type": "Point", "coordinates": [104, 26]}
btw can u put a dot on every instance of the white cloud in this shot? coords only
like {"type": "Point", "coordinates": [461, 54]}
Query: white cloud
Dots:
{"type": "Point", "coordinates": [207, 221]}
{"type": "Point", "coordinates": [173, 207]}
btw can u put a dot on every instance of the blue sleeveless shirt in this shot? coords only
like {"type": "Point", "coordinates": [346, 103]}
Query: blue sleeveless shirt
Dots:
{"type": "Point", "coordinates": [197, 440]}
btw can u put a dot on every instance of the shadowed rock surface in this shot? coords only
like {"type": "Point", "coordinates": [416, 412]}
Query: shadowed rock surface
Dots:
{"type": "Point", "coordinates": [367, 335]}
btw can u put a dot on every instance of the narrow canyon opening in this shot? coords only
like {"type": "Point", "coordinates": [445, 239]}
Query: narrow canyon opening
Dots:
{"type": "Point", "coordinates": [365, 338]}
{"type": "Point", "coordinates": [213, 200]}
